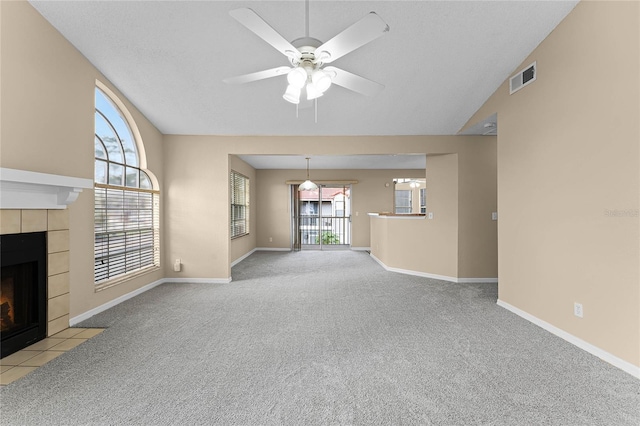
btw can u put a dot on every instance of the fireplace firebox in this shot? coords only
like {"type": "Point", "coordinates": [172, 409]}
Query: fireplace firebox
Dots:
{"type": "Point", "coordinates": [23, 291]}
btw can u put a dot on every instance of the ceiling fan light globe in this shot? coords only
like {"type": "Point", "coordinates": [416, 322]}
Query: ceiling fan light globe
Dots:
{"type": "Point", "coordinates": [313, 92]}
{"type": "Point", "coordinates": [297, 77]}
{"type": "Point", "coordinates": [321, 80]}
{"type": "Point", "coordinates": [292, 94]}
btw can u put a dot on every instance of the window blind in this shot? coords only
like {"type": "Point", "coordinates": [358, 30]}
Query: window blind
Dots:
{"type": "Point", "coordinates": [239, 204]}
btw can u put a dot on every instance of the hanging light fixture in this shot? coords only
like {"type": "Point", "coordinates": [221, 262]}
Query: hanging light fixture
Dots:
{"type": "Point", "coordinates": [307, 185]}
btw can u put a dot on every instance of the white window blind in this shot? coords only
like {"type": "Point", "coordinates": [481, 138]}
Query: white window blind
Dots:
{"type": "Point", "coordinates": [127, 207]}
{"type": "Point", "coordinates": [239, 204]}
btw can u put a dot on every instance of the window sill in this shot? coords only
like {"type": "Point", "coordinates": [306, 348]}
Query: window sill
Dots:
{"type": "Point", "coordinates": [239, 236]}
{"type": "Point", "coordinates": [124, 278]}
{"type": "Point", "coordinates": [386, 215]}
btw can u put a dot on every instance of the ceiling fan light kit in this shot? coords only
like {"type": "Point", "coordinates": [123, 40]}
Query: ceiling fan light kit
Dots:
{"type": "Point", "coordinates": [297, 77]}
{"type": "Point", "coordinates": [307, 57]}
{"type": "Point", "coordinates": [292, 94]}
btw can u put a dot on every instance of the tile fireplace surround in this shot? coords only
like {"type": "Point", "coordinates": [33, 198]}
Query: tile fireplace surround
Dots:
{"type": "Point", "coordinates": [56, 224]}
{"type": "Point", "coordinates": [37, 202]}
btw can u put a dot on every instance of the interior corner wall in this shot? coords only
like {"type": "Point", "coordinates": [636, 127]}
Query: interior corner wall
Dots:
{"type": "Point", "coordinates": [568, 180]}
{"type": "Point", "coordinates": [368, 195]}
{"type": "Point", "coordinates": [197, 207]}
{"type": "Point", "coordinates": [423, 245]}
{"type": "Point", "coordinates": [241, 246]}
{"type": "Point", "coordinates": [477, 200]}
{"type": "Point", "coordinates": [47, 120]}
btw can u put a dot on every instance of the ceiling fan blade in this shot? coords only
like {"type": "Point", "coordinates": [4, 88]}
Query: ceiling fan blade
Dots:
{"type": "Point", "coordinates": [362, 32]}
{"type": "Point", "coordinates": [254, 76]}
{"type": "Point", "coordinates": [255, 23]}
{"type": "Point", "coordinates": [354, 82]}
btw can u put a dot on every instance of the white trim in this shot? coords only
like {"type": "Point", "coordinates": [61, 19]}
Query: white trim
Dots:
{"type": "Point", "coordinates": [244, 256]}
{"type": "Point", "coordinates": [84, 316]}
{"type": "Point", "coordinates": [241, 258]}
{"type": "Point", "coordinates": [415, 273]}
{"type": "Point", "coordinates": [198, 280]}
{"type": "Point", "coordinates": [434, 276]}
{"type": "Point", "coordinates": [398, 216]}
{"type": "Point", "coordinates": [23, 189]}
{"type": "Point", "coordinates": [593, 350]}
{"type": "Point", "coordinates": [360, 248]}
{"type": "Point", "coordinates": [477, 280]}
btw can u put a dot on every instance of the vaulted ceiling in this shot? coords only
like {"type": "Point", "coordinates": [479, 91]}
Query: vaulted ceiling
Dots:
{"type": "Point", "coordinates": [439, 62]}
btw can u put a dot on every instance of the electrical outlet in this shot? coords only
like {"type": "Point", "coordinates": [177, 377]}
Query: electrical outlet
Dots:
{"type": "Point", "coordinates": [577, 309]}
{"type": "Point", "coordinates": [430, 215]}
{"type": "Point", "coordinates": [270, 239]}
{"type": "Point", "coordinates": [494, 216]}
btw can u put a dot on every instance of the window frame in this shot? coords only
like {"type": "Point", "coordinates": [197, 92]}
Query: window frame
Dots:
{"type": "Point", "coordinates": [239, 205]}
{"type": "Point", "coordinates": [126, 215]}
{"type": "Point", "coordinates": [403, 195]}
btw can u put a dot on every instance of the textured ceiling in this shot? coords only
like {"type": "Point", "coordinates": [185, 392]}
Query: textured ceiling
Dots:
{"type": "Point", "coordinates": [439, 62]}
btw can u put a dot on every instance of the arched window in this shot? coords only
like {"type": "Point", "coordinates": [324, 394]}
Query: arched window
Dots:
{"type": "Point", "coordinates": [126, 202]}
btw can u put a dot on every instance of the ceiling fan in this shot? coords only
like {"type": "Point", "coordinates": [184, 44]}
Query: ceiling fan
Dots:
{"type": "Point", "coordinates": [308, 77]}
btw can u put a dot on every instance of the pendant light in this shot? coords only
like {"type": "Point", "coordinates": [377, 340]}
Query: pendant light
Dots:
{"type": "Point", "coordinates": [307, 185]}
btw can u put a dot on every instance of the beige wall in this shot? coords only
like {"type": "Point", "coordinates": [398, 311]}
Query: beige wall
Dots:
{"type": "Point", "coordinates": [425, 245]}
{"type": "Point", "coordinates": [197, 223]}
{"type": "Point", "coordinates": [368, 195]}
{"type": "Point", "coordinates": [243, 245]}
{"type": "Point", "coordinates": [568, 153]}
{"type": "Point", "coordinates": [47, 90]}
{"type": "Point", "coordinates": [477, 199]}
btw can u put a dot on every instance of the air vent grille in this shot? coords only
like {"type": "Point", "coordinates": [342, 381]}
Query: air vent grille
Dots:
{"type": "Point", "coordinates": [522, 78]}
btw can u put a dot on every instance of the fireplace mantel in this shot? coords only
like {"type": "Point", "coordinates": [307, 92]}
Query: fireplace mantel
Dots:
{"type": "Point", "coordinates": [22, 189]}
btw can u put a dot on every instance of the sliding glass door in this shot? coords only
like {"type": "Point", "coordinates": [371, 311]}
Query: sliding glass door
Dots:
{"type": "Point", "coordinates": [322, 217]}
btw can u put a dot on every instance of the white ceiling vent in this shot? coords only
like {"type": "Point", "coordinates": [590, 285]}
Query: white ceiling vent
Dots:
{"type": "Point", "coordinates": [524, 77]}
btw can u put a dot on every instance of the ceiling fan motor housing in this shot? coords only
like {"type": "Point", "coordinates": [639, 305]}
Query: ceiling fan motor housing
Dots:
{"type": "Point", "coordinates": [307, 47]}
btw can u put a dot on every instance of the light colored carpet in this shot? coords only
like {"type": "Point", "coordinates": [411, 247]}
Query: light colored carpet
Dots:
{"type": "Point", "coordinates": [321, 338]}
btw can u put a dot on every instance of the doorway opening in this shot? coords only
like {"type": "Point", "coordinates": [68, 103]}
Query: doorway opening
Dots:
{"type": "Point", "coordinates": [321, 218]}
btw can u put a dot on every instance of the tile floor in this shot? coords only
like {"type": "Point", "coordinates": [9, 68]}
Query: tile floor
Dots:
{"type": "Point", "coordinates": [23, 362]}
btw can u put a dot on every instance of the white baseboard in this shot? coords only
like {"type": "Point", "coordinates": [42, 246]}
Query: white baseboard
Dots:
{"type": "Point", "coordinates": [435, 276]}
{"type": "Point", "coordinates": [360, 248]}
{"type": "Point", "coordinates": [477, 280]}
{"type": "Point", "coordinates": [244, 256]}
{"type": "Point", "coordinates": [86, 315]}
{"type": "Point", "coordinates": [241, 258]}
{"type": "Point", "coordinates": [198, 280]}
{"type": "Point", "coordinates": [77, 319]}
{"type": "Point", "coordinates": [593, 350]}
